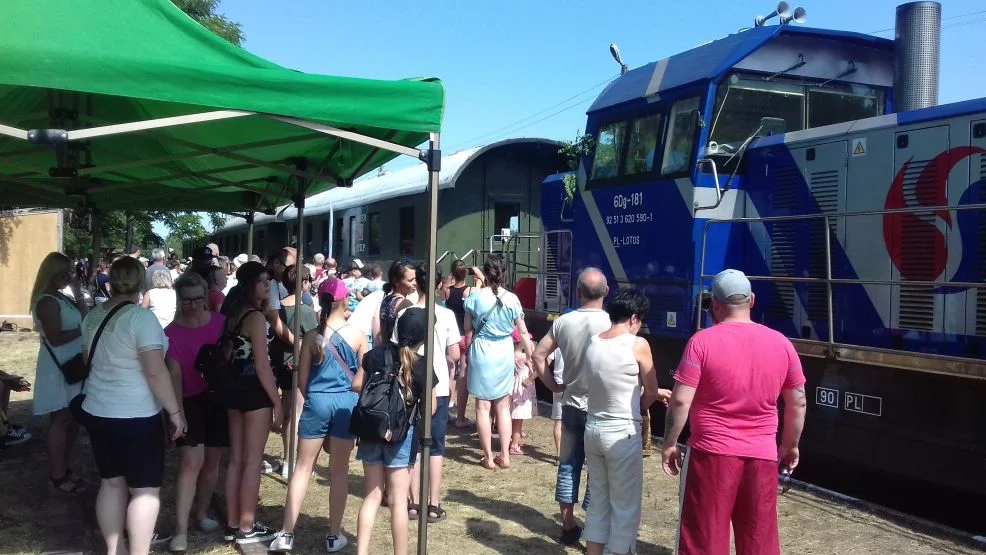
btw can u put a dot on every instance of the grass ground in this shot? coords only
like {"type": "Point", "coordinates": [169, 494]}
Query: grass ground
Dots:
{"type": "Point", "coordinates": [502, 511]}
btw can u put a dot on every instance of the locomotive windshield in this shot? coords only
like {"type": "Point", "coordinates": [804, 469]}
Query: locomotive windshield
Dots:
{"type": "Point", "coordinates": [742, 102]}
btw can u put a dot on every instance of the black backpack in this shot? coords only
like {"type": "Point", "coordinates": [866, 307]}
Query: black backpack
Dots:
{"type": "Point", "coordinates": [382, 414]}
{"type": "Point", "coordinates": [215, 362]}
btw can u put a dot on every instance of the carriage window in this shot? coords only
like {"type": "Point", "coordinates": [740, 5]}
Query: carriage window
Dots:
{"type": "Point", "coordinates": [373, 234]}
{"type": "Point", "coordinates": [740, 104]}
{"type": "Point", "coordinates": [406, 217]}
{"type": "Point", "coordinates": [642, 145]}
{"type": "Point", "coordinates": [828, 106]}
{"type": "Point", "coordinates": [679, 145]}
{"type": "Point", "coordinates": [609, 146]}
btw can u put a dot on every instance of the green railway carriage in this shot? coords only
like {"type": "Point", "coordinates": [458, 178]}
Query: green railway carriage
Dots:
{"type": "Point", "coordinates": [489, 201]}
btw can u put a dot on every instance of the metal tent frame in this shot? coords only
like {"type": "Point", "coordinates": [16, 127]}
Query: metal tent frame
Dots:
{"type": "Point", "coordinates": [181, 198]}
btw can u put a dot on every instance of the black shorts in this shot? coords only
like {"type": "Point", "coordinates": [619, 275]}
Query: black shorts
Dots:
{"type": "Point", "coordinates": [129, 447]}
{"type": "Point", "coordinates": [283, 375]}
{"type": "Point", "coordinates": [249, 394]}
{"type": "Point", "coordinates": [207, 422]}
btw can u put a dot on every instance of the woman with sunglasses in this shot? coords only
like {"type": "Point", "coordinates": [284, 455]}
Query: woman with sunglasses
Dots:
{"type": "Point", "coordinates": [208, 428]}
{"type": "Point", "coordinates": [254, 405]}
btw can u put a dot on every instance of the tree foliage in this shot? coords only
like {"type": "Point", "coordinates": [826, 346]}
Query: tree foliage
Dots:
{"type": "Point", "coordinates": [582, 147]}
{"type": "Point", "coordinates": [180, 225]}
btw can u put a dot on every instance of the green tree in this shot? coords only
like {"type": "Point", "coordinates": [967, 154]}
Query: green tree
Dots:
{"type": "Point", "coordinates": [126, 230]}
{"type": "Point", "coordinates": [582, 147]}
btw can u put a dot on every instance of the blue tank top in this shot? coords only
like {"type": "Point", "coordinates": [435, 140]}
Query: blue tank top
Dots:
{"type": "Point", "coordinates": [334, 375]}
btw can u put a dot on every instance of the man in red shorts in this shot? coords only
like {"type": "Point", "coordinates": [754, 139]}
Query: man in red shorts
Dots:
{"type": "Point", "coordinates": [728, 383]}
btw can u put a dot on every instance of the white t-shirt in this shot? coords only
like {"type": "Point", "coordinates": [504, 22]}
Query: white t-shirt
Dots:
{"type": "Point", "coordinates": [446, 333]}
{"type": "Point", "coordinates": [362, 317]}
{"type": "Point", "coordinates": [559, 368]}
{"type": "Point", "coordinates": [117, 387]}
{"type": "Point", "coordinates": [163, 303]}
{"type": "Point", "coordinates": [230, 283]}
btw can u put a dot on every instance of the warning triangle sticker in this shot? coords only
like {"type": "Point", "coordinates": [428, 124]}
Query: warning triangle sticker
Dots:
{"type": "Point", "coordinates": [859, 149]}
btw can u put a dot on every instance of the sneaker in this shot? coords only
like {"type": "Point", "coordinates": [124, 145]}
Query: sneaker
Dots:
{"type": "Point", "coordinates": [229, 533]}
{"type": "Point", "coordinates": [283, 543]}
{"type": "Point", "coordinates": [335, 542]}
{"type": "Point", "coordinates": [284, 469]}
{"type": "Point", "coordinates": [208, 525]}
{"type": "Point", "coordinates": [266, 468]}
{"type": "Point", "coordinates": [157, 540]}
{"type": "Point", "coordinates": [179, 543]}
{"type": "Point", "coordinates": [259, 533]}
{"type": "Point", "coordinates": [570, 536]}
{"type": "Point", "coordinates": [16, 435]}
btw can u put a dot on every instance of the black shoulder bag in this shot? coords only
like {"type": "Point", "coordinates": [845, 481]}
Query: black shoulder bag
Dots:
{"type": "Point", "coordinates": [75, 405]}
{"type": "Point", "coordinates": [74, 369]}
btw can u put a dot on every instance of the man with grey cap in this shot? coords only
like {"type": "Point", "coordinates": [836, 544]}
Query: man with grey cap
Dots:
{"type": "Point", "coordinates": [728, 383]}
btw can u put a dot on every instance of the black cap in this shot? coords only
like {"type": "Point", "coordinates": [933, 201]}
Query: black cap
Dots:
{"type": "Point", "coordinates": [205, 253]}
{"type": "Point", "coordinates": [250, 272]}
{"type": "Point", "coordinates": [411, 327]}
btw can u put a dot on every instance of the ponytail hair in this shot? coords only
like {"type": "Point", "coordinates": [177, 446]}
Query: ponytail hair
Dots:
{"type": "Point", "coordinates": [405, 372]}
{"type": "Point", "coordinates": [494, 269]}
{"type": "Point", "coordinates": [327, 303]}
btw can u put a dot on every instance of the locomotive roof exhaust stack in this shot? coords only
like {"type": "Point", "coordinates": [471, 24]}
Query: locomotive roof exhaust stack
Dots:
{"type": "Point", "coordinates": [917, 45]}
{"type": "Point", "coordinates": [782, 10]}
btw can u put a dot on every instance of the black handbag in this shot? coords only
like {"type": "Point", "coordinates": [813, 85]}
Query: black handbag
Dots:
{"type": "Point", "coordinates": [75, 405]}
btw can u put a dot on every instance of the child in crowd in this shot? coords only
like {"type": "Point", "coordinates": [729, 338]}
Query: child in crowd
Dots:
{"type": "Point", "coordinates": [523, 399]}
{"type": "Point", "coordinates": [557, 370]}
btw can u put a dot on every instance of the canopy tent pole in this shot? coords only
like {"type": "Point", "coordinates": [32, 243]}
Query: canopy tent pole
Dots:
{"type": "Point", "coordinates": [433, 159]}
{"type": "Point", "coordinates": [292, 424]}
{"type": "Point", "coordinates": [332, 228]}
{"type": "Point", "coordinates": [249, 241]}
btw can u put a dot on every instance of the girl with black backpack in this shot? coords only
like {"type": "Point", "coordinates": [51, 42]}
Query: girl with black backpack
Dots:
{"type": "Point", "coordinates": [390, 376]}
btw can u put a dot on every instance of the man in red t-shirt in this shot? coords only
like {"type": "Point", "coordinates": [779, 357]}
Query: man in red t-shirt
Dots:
{"type": "Point", "coordinates": [728, 383]}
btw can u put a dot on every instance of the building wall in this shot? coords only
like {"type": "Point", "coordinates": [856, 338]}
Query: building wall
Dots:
{"type": "Point", "coordinates": [25, 239]}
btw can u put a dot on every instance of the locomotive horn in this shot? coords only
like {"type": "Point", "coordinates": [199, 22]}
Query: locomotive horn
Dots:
{"type": "Point", "coordinates": [782, 10]}
{"type": "Point", "coordinates": [615, 51]}
{"type": "Point", "coordinates": [800, 16]}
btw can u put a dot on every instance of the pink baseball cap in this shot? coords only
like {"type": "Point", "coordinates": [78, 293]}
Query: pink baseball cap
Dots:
{"type": "Point", "coordinates": [335, 287]}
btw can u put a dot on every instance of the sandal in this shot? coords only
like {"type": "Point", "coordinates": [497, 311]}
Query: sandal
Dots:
{"type": "Point", "coordinates": [65, 484]}
{"type": "Point", "coordinates": [498, 460]}
{"type": "Point", "coordinates": [439, 513]}
{"type": "Point", "coordinates": [514, 450]}
{"type": "Point", "coordinates": [414, 508]}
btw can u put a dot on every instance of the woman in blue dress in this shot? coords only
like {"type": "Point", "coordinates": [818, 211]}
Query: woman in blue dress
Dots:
{"type": "Point", "coordinates": [491, 312]}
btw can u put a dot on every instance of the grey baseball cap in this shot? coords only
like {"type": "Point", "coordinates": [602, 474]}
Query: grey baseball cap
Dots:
{"type": "Point", "coordinates": [728, 284]}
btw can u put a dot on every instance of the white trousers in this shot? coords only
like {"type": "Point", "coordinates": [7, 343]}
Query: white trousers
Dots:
{"type": "Point", "coordinates": [613, 455]}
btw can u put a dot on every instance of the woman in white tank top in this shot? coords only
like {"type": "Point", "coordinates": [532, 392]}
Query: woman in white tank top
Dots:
{"type": "Point", "coordinates": [619, 366]}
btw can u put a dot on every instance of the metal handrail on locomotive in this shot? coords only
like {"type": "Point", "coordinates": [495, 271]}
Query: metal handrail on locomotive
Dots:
{"type": "Point", "coordinates": [818, 162]}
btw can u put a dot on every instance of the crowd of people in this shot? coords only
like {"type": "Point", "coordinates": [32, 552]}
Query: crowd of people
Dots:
{"type": "Point", "coordinates": [151, 376]}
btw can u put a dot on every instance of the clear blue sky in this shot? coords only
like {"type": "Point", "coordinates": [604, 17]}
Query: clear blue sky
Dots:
{"type": "Point", "coordinates": [505, 61]}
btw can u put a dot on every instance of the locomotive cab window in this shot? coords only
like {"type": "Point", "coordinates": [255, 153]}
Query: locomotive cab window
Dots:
{"type": "Point", "coordinates": [373, 234]}
{"type": "Point", "coordinates": [642, 143]}
{"type": "Point", "coordinates": [679, 146]}
{"type": "Point", "coordinates": [836, 105]}
{"type": "Point", "coordinates": [609, 147]}
{"type": "Point", "coordinates": [742, 103]}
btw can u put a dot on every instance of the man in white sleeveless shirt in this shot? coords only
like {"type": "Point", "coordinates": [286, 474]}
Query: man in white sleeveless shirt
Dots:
{"type": "Point", "coordinates": [571, 334]}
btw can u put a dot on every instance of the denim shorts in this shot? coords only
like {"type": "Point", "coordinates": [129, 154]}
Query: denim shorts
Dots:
{"type": "Point", "coordinates": [572, 457]}
{"type": "Point", "coordinates": [327, 414]}
{"type": "Point", "coordinates": [439, 426]}
{"type": "Point", "coordinates": [391, 455]}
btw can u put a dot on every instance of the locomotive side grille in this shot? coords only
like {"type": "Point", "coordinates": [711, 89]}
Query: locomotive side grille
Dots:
{"type": "Point", "coordinates": [917, 246]}
{"type": "Point", "coordinates": [824, 186]}
{"type": "Point", "coordinates": [981, 293]}
{"type": "Point", "coordinates": [550, 267]}
{"type": "Point", "coordinates": [783, 240]}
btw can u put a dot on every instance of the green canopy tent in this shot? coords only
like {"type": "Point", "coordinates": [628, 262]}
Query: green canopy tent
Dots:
{"type": "Point", "coordinates": [130, 104]}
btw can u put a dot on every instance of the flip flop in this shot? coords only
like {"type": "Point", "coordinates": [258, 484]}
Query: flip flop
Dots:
{"type": "Point", "coordinates": [487, 464]}
{"type": "Point", "coordinates": [498, 460]}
